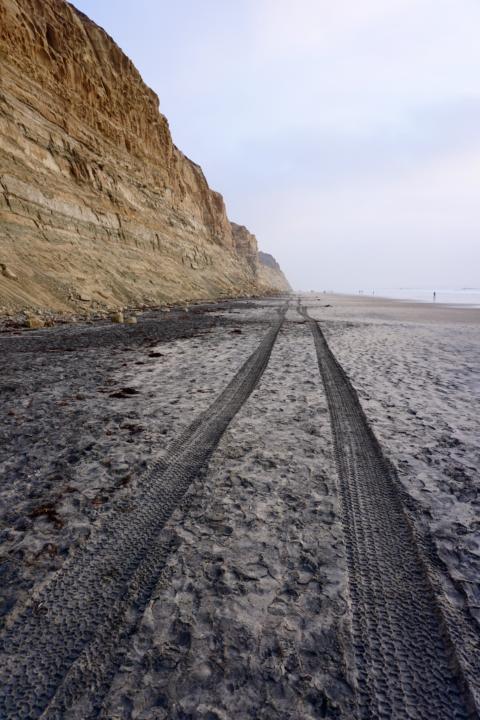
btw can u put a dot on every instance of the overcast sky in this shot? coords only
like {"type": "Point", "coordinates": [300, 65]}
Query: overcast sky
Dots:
{"type": "Point", "coordinates": [345, 134]}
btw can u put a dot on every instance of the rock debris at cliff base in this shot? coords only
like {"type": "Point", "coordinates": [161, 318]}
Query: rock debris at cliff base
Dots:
{"type": "Point", "coordinates": [252, 612]}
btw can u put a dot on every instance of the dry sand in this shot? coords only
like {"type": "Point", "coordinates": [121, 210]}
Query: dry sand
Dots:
{"type": "Point", "coordinates": [251, 616]}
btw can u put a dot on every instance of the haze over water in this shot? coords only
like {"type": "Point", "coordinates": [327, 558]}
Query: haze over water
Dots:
{"type": "Point", "coordinates": [467, 297]}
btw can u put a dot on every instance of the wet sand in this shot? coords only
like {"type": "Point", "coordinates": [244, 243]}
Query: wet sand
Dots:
{"type": "Point", "coordinates": [251, 615]}
{"type": "Point", "coordinates": [416, 369]}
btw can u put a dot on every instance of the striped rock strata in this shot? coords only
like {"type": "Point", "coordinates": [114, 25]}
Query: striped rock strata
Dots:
{"type": "Point", "coordinates": [98, 207]}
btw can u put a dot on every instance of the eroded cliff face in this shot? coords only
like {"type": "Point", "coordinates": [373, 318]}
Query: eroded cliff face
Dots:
{"type": "Point", "coordinates": [245, 245]}
{"type": "Point", "coordinates": [97, 205]}
{"type": "Point", "coordinates": [270, 273]}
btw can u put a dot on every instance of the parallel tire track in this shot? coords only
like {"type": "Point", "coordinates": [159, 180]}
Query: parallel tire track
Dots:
{"type": "Point", "coordinates": [406, 666]}
{"type": "Point", "coordinates": [64, 646]}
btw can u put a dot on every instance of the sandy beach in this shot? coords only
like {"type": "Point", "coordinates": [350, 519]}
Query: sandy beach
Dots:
{"type": "Point", "coordinates": [178, 491]}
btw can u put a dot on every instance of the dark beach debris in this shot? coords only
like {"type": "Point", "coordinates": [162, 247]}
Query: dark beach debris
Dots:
{"type": "Point", "coordinates": [133, 428]}
{"type": "Point", "coordinates": [124, 392]}
{"type": "Point", "coordinates": [49, 511]}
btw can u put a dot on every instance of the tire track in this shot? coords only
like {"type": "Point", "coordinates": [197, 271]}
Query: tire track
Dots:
{"type": "Point", "coordinates": [63, 647]}
{"type": "Point", "coordinates": [406, 664]}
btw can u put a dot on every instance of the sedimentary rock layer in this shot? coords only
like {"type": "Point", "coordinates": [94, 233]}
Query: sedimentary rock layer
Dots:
{"type": "Point", "coordinates": [270, 273]}
{"type": "Point", "coordinates": [97, 205]}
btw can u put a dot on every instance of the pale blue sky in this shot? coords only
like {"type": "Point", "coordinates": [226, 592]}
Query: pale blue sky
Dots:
{"type": "Point", "coordinates": [345, 135]}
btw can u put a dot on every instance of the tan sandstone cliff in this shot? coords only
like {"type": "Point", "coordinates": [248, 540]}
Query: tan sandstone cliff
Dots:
{"type": "Point", "coordinates": [267, 271]}
{"type": "Point", "coordinates": [97, 205]}
{"type": "Point", "coordinates": [270, 273]}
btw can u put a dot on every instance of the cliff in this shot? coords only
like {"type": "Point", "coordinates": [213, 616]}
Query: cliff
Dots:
{"type": "Point", "coordinates": [270, 273]}
{"type": "Point", "coordinates": [97, 205]}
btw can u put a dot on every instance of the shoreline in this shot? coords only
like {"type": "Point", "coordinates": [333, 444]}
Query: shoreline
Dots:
{"type": "Point", "coordinates": [391, 309]}
{"type": "Point", "coordinates": [417, 300]}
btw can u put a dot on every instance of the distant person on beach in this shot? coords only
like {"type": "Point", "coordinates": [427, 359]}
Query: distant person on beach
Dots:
{"type": "Point", "coordinates": [434, 296]}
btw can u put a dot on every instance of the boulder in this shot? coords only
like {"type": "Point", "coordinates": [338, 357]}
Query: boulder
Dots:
{"type": "Point", "coordinates": [34, 322]}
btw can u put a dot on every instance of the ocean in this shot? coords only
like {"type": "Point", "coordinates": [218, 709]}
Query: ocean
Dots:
{"type": "Point", "coordinates": [466, 297]}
